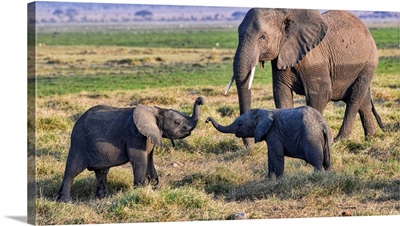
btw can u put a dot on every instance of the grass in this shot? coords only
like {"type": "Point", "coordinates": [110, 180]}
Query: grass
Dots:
{"type": "Point", "coordinates": [213, 177]}
{"type": "Point", "coordinates": [208, 175]}
{"type": "Point", "coordinates": [63, 70]}
{"type": "Point", "coordinates": [386, 37]}
{"type": "Point", "coordinates": [73, 84]}
{"type": "Point", "coordinates": [177, 38]}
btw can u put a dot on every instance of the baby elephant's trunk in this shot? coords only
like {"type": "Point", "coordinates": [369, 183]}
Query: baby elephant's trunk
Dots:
{"type": "Point", "coordinates": [196, 108]}
{"type": "Point", "coordinates": [196, 112]}
{"type": "Point", "coordinates": [223, 129]}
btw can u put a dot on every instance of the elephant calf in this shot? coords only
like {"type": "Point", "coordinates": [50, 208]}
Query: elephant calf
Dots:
{"type": "Point", "coordinates": [106, 136]}
{"type": "Point", "coordinates": [297, 132]}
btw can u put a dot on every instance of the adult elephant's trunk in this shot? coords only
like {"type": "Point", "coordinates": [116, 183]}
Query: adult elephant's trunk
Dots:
{"type": "Point", "coordinates": [244, 65]}
{"type": "Point", "coordinates": [223, 129]}
{"type": "Point", "coordinates": [196, 110]}
{"type": "Point", "coordinates": [245, 61]}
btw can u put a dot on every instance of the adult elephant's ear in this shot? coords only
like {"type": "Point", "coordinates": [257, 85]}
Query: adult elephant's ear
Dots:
{"type": "Point", "coordinates": [145, 119]}
{"type": "Point", "coordinates": [261, 124]}
{"type": "Point", "coordinates": [304, 29]}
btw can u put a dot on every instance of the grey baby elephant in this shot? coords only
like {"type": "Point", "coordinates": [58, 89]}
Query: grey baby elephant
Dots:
{"type": "Point", "coordinates": [298, 133]}
{"type": "Point", "coordinates": [106, 136]}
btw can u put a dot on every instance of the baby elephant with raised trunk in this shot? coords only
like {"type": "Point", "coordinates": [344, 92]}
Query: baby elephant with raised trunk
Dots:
{"type": "Point", "coordinates": [106, 136]}
{"type": "Point", "coordinates": [297, 132]}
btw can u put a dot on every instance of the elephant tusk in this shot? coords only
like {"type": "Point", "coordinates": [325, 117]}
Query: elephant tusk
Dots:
{"type": "Point", "coordinates": [229, 85]}
{"type": "Point", "coordinates": [251, 77]}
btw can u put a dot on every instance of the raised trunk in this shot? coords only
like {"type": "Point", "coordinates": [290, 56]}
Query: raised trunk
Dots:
{"type": "Point", "coordinates": [196, 111]}
{"type": "Point", "coordinates": [223, 129]}
{"type": "Point", "coordinates": [196, 108]}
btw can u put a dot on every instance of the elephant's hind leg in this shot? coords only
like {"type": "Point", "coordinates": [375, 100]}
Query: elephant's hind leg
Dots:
{"type": "Point", "coordinates": [101, 177]}
{"type": "Point", "coordinates": [72, 169]}
{"type": "Point", "coordinates": [354, 99]}
{"type": "Point", "coordinates": [313, 151]}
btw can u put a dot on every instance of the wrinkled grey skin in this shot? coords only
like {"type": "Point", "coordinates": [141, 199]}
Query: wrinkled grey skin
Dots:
{"type": "Point", "coordinates": [297, 132]}
{"type": "Point", "coordinates": [329, 56]}
{"type": "Point", "coordinates": [106, 136]}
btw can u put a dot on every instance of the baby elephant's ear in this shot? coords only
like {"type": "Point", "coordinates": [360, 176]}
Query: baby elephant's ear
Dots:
{"type": "Point", "coordinates": [262, 124]}
{"type": "Point", "coordinates": [146, 122]}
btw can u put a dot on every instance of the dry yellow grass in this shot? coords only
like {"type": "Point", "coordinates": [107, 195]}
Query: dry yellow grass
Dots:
{"type": "Point", "coordinates": [91, 60]}
{"type": "Point", "coordinates": [209, 175]}
{"type": "Point", "coordinates": [229, 178]}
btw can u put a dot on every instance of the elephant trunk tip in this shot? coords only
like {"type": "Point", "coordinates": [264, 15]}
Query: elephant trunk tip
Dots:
{"type": "Point", "coordinates": [201, 100]}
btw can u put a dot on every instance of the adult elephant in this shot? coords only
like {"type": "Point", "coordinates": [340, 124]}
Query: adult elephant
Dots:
{"type": "Point", "coordinates": [329, 56]}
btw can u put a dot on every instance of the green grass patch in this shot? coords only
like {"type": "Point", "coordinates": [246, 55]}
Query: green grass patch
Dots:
{"type": "Point", "coordinates": [389, 65]}
{"type": "Point", "coordinates": [386, 37]}
{"type": "Point", "coordinates": [186, 38]}
{"type": "Point", "coordinates": [214, 74]}
{"type": "Point", "coordinates": [220, 38]}
{"type": "Point", "coordinates": [184, 75]}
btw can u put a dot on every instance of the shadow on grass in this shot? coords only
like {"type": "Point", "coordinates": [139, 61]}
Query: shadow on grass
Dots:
{"type": "Point", "coordinates": [393, 127]}
{"type": "Point", "coordinates": [318, 184]}
{"type": "Point", "coordinates": [391, 191]}
{"type": "Point", "coordinates": [83, 189]}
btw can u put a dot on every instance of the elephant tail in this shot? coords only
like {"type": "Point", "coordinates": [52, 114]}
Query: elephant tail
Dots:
{"type": "Point", "coordinates": [327, 149]}
{"type": "Point", "coordinates": [377, 117]}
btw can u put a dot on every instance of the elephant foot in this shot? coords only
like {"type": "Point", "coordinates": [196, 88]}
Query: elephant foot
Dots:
{"type": "Point", "coordinates": [63, 198]}
{"type": "Point", "coordinates": [153, 182]}
{"type": "Point", "coordinates": [102, 196]}
{"type": "Point", "coordinates": [339, 137]}
{"type": "Point", "coordinates": [102, 193]}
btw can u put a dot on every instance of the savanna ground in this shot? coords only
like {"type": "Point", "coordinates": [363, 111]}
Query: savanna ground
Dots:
{"type": "Point", "coordinates": [209, 175]}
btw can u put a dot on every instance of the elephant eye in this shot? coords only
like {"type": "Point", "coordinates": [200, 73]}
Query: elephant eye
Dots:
{"type": "Point", "coordinates": [288, 22]}
{"type": "Point", "coordinates": [177, 122]}
{"type": "Point", "coordinates": [262, 37]}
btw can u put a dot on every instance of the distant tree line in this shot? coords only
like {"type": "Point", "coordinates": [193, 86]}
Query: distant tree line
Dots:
{"type": "Point", "coordinates": [73, 15]}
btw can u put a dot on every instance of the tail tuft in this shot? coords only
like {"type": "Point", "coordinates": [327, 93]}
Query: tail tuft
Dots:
{"type": "Point", "coordinates": [327, 149]}
{"type": "Point", "coordinates": [378, 118]}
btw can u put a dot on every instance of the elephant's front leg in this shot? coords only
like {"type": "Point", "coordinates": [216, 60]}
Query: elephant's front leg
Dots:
{"type": "Point", "coordinates": [151, 172]}
{"type": "Point", "coordinates": [138, 159]}
{"type": "Point", "coordinates": [101, 177]}
{"type": "Point", "coordinates": [318, 94]}
{"type": "Point", "coordinates": [282, 90]}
